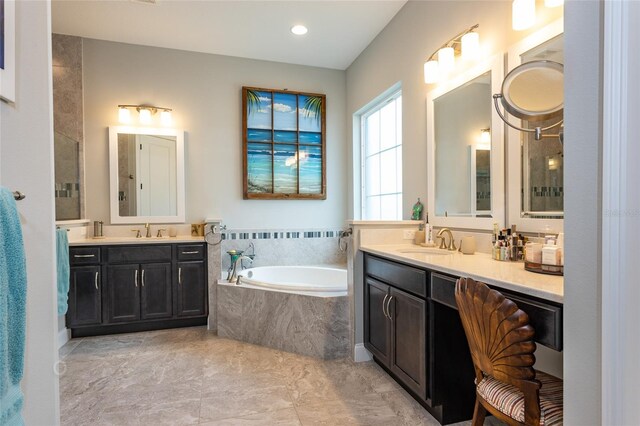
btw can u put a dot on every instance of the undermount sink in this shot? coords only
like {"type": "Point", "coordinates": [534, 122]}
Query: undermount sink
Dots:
{"type": "Point", "coordinates": [426, 250]}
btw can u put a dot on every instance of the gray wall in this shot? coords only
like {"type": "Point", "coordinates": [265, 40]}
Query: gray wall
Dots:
{"type": "Point", "coordinates": [205, 93]}
{"type": "Point", "coordinates": [398, 54]}
{"type": "Point", "coordinates": [583, 212]}
{"type": "Point", "coordinates": [26, 164]}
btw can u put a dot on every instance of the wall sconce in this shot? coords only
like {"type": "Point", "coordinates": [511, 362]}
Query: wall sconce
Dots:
{"type": "Point", "coordinates": [145, 114]}
{"type": "Point", "coordinates": [467, 43]}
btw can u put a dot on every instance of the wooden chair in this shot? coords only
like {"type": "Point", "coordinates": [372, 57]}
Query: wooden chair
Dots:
{"type": "Point", "coordinates": [501, 344]}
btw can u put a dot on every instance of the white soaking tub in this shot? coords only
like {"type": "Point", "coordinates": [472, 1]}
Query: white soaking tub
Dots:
{"type": "Point", "coordinates": [307, 280]}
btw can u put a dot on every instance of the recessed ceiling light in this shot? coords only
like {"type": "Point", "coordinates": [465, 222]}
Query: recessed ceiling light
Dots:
{"type": "Point", "coordinates": [299, 29]}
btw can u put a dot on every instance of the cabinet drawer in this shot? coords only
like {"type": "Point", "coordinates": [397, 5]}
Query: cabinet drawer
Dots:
{"type": "Point", "coordinates": [84, 255]}
{"type": "Point", "coordinates": [545, 318]}
{"type": "Point", "coordinates": [443, 290]}
{"type": "Point", "coordinates": [141, 253]}
{"type": "Point", "coordinates": [403, 277]}
{"type": "Point", "coordinates": [191, 252]}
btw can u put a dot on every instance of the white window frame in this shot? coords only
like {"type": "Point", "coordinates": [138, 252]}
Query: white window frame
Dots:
{"type": "Point", "coordinates": [377, 105]}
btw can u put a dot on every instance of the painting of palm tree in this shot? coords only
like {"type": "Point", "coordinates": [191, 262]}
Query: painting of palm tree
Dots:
{"type": "Point", "coordinates": [283, 144]}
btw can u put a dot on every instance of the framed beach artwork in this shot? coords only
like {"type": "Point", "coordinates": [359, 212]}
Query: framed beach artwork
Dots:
{"type": "Point", "coordinates": [284, 144]}
{"type": "Point", "coordinates": [7, 50]}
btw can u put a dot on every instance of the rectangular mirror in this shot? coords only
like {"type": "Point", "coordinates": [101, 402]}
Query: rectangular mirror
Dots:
{"type": "Point", "coordinates": [464, 141]}
{"type": "Point", "coordinates": [536, 168]}
{"type": "Point", "coordinates": [146, 175]}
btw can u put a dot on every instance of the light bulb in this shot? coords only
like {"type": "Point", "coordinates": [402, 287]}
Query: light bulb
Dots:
{"type": "Point", "coordinates": [553, 3]}
{"type": "Point", "coordinates": [446, 59]}
{"type": "Point", "coordinates": [523, 14]}
{"type": "Point", "coordinates": [431, 72]}
{"type": "Point", "coordinates": [485, 136]}
{"type": "Point", "coordinates": [299, 30]}
{"type": "Point", "coordinates": [470, 46]}
{"type": "Point", "coordinates": [124, 115]}
{"type": "Point", "coordinates": [145, 116]}
{"type": "Point", "coordinates": [165, 118]}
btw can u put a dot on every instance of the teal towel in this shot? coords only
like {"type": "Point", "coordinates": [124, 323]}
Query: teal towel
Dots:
{"type": "Point", "coordinates": [13, 297]}
{"type": "Point", "coordinates": [62, 253]}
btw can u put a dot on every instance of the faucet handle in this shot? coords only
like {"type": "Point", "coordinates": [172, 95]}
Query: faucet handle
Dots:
{"type": "Point", "coordinates": [159, 235]}
{"type": "Point", "coordinates": [442, 245]}
{"type": "Point", "coordinates": [137, 231]}
{"type": "Point", "coordinates": [453, 245]}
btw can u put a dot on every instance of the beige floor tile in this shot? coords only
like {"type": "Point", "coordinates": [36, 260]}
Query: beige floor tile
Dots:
{"type": "Point", "coordinates": [245, 402]}
{"type": "Point", "coordinates": [286, 417]}
{"type": "Point", "coordinates": [172, 413]}
{"type": "Point", "coordinates": [354, 410]}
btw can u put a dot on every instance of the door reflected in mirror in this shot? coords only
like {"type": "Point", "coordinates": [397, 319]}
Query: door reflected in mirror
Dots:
{"type": "Point", "coordinates": [542, 161]}
{"type": "Point", "coordinates": [462, 151]}
{"type": "Point", "coordinates": [147, 175]}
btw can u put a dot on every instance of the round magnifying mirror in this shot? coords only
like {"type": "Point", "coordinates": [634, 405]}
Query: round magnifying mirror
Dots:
{"type": "Point", "coordinates": [534, 91]}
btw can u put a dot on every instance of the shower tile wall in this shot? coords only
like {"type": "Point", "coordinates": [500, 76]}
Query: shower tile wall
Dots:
{"type": "Point", "coordinates": [68, 125]}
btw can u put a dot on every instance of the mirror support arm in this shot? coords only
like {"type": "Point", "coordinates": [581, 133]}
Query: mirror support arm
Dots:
{"type": "Point", "coordinates": [537, 131]}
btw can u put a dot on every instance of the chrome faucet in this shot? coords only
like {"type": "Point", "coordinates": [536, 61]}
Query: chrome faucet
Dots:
{"type": "Point", "coordinates": [148, 228]}
{"type": "Point", "coordinates": [233, 276]}
{"type": "Point", "coordinates": [452, 244]}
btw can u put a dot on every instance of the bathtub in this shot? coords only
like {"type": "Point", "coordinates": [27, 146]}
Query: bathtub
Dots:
{"type": "Point", "coordinates": [306, 280]}
{"type": "Point", "coordinates": [300, 309]}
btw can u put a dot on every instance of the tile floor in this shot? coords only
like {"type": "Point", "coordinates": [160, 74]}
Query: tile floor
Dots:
{"type": "Point", "coordinates": [189, 376]}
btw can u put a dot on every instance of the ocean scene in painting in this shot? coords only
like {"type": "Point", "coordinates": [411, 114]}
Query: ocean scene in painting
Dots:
{"type": "Point", "coordinates": [277, 153]}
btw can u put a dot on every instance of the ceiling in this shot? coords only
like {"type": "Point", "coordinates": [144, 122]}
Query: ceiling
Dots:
{"type": "Point", "coordinates": [338, 30]}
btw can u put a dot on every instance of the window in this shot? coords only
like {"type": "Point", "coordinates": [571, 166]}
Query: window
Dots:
{"type": "Point", "coordinates": [381, 160]}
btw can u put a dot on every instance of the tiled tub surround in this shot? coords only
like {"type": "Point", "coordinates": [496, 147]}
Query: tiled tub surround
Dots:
{"type": "Point", "coordinates": [307, 325]}
{"type": "Point", "coordinates": [287, 247]}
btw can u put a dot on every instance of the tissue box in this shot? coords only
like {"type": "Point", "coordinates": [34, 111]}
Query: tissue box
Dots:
{"type": "Point", "coordinates": [551, 255]}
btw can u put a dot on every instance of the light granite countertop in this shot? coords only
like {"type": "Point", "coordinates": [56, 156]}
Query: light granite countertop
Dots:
{"type": "Point", "coordinates": [479, 266]}
{"type": "Point", "coordinates": [133, 240]}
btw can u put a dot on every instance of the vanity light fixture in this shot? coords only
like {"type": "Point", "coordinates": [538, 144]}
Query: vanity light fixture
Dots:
{"type": "Point", "coordinates": [485, 136]}
{"type": "Point", "coordinates": [442, 61]}
{"type": "Point", "coordinates": [145, 114]}
{"type": "Point", "coordinates": [523, 14]}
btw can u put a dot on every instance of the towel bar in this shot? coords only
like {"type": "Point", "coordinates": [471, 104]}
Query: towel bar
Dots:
{"type": "Point", "coordinates": [18, 195]}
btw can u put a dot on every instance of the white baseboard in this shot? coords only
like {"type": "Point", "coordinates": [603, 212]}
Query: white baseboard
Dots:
{"type": "Point", "coordinates": [360, 354]}
{"type": "Point", "coordinates": [63, 337]}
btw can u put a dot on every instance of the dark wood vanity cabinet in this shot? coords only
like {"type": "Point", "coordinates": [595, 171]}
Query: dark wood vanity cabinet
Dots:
{"type": "Point", "coordinates": [85, 301]}
{"type": "Point", "coordinates": [413, 330]}
{"type": "Point", "coordinates": [144, 287]}
{"type": "Point", "coordinates": [395, 322]}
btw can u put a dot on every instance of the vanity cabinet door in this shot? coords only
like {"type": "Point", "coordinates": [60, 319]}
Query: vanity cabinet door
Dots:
{"type": "Point", "coordinates": [192, 289]}
{"type": "Point", "coordinates": [377, 332]}
{"type": "Point", "coordinates": [408, 336]}
{"type": "Point", "coordinates": [84, 296]}
{"type": "Point", "coordinates": [155, 291]}
{"type": "Point", "coordinates": [124, 292]}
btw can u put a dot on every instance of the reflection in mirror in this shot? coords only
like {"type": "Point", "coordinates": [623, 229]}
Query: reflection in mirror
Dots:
{"type": "Point", "coordinates": [462, 121]}
{"type": "Point", "coordinates": [147, 175]}
{"type": "Point", "coordinates": [542, 161]}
